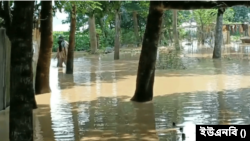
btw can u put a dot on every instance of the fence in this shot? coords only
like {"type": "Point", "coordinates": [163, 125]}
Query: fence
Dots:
{"type": "Point", "coordinates": [5, 49]}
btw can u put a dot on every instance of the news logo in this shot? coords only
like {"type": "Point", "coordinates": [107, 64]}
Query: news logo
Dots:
{"type": "Point", "coordinates": [218, 132]}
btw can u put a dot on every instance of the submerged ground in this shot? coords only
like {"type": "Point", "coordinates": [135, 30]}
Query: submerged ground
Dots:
{"type": "Point", "coordinates": [93, 104]}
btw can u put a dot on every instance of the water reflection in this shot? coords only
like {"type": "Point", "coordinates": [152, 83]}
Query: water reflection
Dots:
{"type": "Point", "coordinates": [93, 103]}
{"type": "Point", "coordinates": [61, 115]}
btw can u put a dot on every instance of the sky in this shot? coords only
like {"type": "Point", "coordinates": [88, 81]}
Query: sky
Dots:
{"type": "Point", "coordinates": [57, 22]}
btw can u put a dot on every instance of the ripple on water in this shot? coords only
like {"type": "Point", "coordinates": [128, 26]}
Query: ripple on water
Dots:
{"type": "Point", "coordinates": [92, 104]}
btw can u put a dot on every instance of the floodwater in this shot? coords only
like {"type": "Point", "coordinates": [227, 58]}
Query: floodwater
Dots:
{"type": "Point", "coordinates": [94, 103]}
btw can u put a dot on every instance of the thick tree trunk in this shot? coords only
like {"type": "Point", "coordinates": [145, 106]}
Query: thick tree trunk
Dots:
{"type": "Point", "coordinates": [21, 78]}
{"type": "Point", "coordinates": [43, 64]}
{"type": "Point", "coordinates": [218, 34]}
{"type": "Point", "coordinates": [138, 41]}
{"type": "Point", "coordinates": [146, 69]}
{"type": "Point", "coordinates": [92, 34]}
{"type": "Point", "coordinates": [70, 58]}
{"type": "Point", "coordinates": [117, 35]}
{"type": "Point", "coordinates": [176, 39]}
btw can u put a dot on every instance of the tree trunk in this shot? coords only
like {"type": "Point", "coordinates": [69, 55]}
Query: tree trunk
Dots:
{"type": "Point", "coordinates": [138, 41]}
{"type": "Point", "coordinates": [162, 37]}
{"type": "Point", "coordinates": [170, 37]}
{"type": "Point", "coordinates": [228, 37]}
{"type": "Point", "coordinates": [21, 78]}
{"type": "Point", "coordinates": [198, 35]}
{"type": "Point", "coordinates": [139, 29]}
{"type": "Point", "coordinates": [202, 35]}
{"type": "Point", "coordinates": [97, 41]}
{"type": "Point", "coordinates": [103, 28]}
{"type": "Point", "coordinates": [43, 63]}
{"type": "Point", "coordinates": [145, 119]}
{"type": "Point", "coordinates": [169, 33]}
{"type": "Point", "coordinates": [146, 69]}
{"type": "Point", "coordinates": [92, 34]}
{"type": "Point", "coordinates": [218, 34]}
{"type": "Point", "coordinates": [117, 35]}
{"type": "Point", "coordinates": [70, 58]}
{"type": "Point", "coordinates": [176, 40]}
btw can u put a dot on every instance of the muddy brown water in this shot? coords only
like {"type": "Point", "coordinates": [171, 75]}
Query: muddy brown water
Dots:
{"type": "Point", "coordinates": [94, 103]}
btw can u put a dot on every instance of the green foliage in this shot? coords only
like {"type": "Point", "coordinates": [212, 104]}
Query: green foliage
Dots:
{"type": "Point", "coordinates": [81, 41]}
{"type": "Point", "coordinates": [128, 37]}
{"type": "Point", "coordinates": [105, 18]}
{"type": "Point", "coordinates": [183, 33]}
{"type": "Point", "coordinates": [205, 16]}
{"type": "Point", "coordinates": [241, 14]}
{"type": "Point", "coordinates": [228, 15]}
{"type": "Point", "coordinates": [109, 40]}
{"type": "Point", "coordinates": [235, 38]}
{"type": "Point", "coordinates": [210, 15]}
{"type": "Point", "coordinates": [184, 16]}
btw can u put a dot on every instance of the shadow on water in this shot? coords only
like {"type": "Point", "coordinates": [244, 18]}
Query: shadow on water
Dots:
{"type": "Point", "coordinates": [93, 104]}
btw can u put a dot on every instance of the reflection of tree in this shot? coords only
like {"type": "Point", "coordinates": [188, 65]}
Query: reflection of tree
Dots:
{"type": "Point", "coordinates": [46, 122]}
{"type": "Point", "coordinates": [37, 127]}
{"type": "Point", "coordinates": [145, 120]}
{"type": "Point", "coordinates": [75, 120]}
{"type": "Point", "coordinates": [223, 115]}
{"type": "Point", "coordinates": [98, 78]}
{"type": "Point", "coordinates": [93, 62]}
{"type": "Point", "coordinates": [65, 80]}
{"type": "Point", "coordinates": [93, 104]}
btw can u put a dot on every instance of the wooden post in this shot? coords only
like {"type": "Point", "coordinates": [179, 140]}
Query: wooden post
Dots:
{"type": "Point", "coordinates": [5, 48]}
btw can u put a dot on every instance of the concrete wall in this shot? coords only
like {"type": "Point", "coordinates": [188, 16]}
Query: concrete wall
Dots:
{"type": "Point", "coordinates": [5, 49]}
